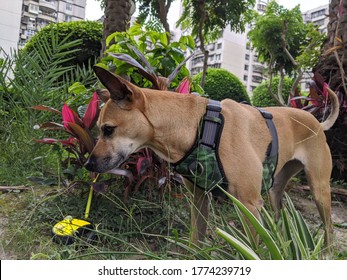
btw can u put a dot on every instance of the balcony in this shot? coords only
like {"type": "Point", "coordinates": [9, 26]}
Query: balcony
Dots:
{"type": "Point", "coordinates": [48, 16]}
{"type": "Point", "coordinates": [48, 5]}
{"type": "Point", "coordinates": [258, 69]}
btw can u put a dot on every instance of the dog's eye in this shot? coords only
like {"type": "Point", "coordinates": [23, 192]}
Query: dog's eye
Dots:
{"type": "Point", "coordinates": [108, 130]}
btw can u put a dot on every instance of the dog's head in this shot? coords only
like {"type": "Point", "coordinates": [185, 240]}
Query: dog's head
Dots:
{"type": "Point", "coordinates": [124, 127]}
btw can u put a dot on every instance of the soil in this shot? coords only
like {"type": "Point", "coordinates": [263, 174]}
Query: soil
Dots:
{"type": "Point", "coordinates": [4, 255]}
{"type": "Point", "coordinates": [302, 200]}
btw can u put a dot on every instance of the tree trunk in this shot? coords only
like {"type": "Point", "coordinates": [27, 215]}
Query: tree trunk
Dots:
{"type": "Point", "coordinates": [117, 17]}
{"type": "Point", "coordinates": [164, 7]}
{"type": "Point", "coordinates": [332, 66]}
{"type": "Point", "coordinates": [335, 48]}
{"type": "Point", "coordinates": [201, 7]}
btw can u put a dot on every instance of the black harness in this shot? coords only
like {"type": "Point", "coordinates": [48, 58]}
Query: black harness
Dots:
{"type": "Point", "coordinates": [202, 166]}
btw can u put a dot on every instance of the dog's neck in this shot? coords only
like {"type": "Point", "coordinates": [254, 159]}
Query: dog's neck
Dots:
{"type": "Point", "coordinates": [175, 119]}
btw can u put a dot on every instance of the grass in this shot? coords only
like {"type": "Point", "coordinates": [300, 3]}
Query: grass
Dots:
{"type": "Point", "coordinates": [137, 229]}
{"type": "Point", "coordinates": [140, 228]}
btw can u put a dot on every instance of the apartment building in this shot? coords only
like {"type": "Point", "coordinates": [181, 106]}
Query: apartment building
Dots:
{"type": "Point", "coordinates": [232, 52]}
{"type": "Point", "coordinates": [39, 13]}
{"type": "Point", "coordinates": [320, 17]}
{"type": "Point", "coordinates": [10, 14]}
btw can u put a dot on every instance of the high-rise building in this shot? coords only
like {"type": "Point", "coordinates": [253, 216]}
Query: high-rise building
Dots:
{"type": "Point", "coordinates": [320, 17]}
{"type": "Point", "coordinates": [10, 14]}
{"type": "Point", "coordinates": [233, 53]}
{"type": "Point", "coordinates": [39, 13]}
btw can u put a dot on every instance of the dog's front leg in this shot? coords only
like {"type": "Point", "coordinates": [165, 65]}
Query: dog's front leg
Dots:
{"type": "Point", "coordinates": [199, 212]}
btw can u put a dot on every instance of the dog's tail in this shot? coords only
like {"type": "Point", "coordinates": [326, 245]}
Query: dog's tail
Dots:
{"type": "Point", "coordinates": [335, 104]}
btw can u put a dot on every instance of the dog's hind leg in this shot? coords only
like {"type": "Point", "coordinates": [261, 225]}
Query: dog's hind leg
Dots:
{"type": "Point", "coordinates": [318, 176]}
{"type": "Point", "coordinates": [281, 180]}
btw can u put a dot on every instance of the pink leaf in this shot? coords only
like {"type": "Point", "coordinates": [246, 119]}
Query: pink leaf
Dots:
{"type": "Point", "coordinates": [142, 165]}
{"type": "Point", "coordinates": [68, 116]}
{"type": "Point", "coordinates": [70, 142]}
{"type": "Point", "coordinates": [47, 141]}
{"type": "Point", "coordinates": [184, 86]}
{"type": "Point", "coordinates": [293, 103]}
{"type": "Point", "coordinates": [325, 91]}
{"type": "Point", "coordinates": [340, 8]}
{"type": "Point", "coordinates": [92, 112]}
{"type": "Point", "coordinates": [45, 108]}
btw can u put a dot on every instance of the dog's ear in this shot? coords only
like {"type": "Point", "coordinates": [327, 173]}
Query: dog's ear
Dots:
{"type": "Point", "coordinates": [120, 90]}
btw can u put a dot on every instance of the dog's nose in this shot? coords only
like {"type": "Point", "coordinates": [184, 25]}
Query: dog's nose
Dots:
{"type": "Point", "coordinates": [90, 164]}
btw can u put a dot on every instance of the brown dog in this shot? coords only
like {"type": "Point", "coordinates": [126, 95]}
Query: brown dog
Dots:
{"type": "Point", "coordinates": [167, 123]}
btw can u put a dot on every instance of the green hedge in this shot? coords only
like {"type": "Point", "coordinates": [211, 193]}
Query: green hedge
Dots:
{"type": "Point", "coordinates": [261, 96]}
{"type": "Point", "coordinates": [221, 84]}
{"type": "Point", "coordinates": [89, 32]}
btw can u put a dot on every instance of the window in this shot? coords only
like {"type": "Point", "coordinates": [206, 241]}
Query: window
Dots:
{"type": "Point", "coordinates": [258, 69]}
{"type": "Point", "coordinates": [218, 57]}
{"type": "Point", "coordinates": [319, 22]}
{"type": "Point", "coordinates": [68, 7]}
{"type": "Point", "coordinates": [211, 57]}
{"type": "Point", "coordinates": [246, 67]}
{"type": "Point", "coordinates": [257, 79]}
{"type": "Point", "coordinates": [197, 60]}
{"type": "Point", "coordinates": [34, 9]}
{"type": "Point", "coordinates": [318, 13]}
{"type": "Point", "coordinates": [247, 56]}
{"type": "Point", "coordinates": [245, 77]}
{"type": "Point", "coordinates": [68, 18]}
{"type": "Point", "coordinates": [219, 46]}
{"type": "Point", "coordinates": [216, 65]}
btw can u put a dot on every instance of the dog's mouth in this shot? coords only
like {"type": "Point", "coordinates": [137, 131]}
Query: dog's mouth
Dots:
{"type": "Point", "coordinates": [105, 165]}
{"type": "Point", "coordinates": [116, 167]}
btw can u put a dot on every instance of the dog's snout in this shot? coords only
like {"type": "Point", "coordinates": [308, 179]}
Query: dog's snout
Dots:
{"type": "Point", "coordinates": [90, 164]}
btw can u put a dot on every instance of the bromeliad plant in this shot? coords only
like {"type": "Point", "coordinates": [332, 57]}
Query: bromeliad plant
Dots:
{"type": "Point", "coordinates": [80, 141]}
{"type": "Point", "coordinates": [318, 103]}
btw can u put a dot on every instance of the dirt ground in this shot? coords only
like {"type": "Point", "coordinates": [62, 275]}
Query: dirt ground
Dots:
{"type": "Point", "coordinates": [302, 201]}
{"type": "Point", "coordinates": [3, 254]}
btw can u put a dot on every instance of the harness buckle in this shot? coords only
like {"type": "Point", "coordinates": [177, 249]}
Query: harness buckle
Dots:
{"type": "Point", "coordinates": [214, 105]}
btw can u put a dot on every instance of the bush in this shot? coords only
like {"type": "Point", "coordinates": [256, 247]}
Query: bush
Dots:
{"type": "Point", "coordinates": [221, 84]}
{"type": "Point", "coordinates": [262, 97]}
{"type": "Point", "coordinates": [89, 32]}
{"type": "Point", "coordinates": [38, 77]}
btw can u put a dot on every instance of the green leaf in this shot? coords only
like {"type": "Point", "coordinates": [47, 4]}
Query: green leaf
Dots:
{"type": "Point", "coordinates": [77, 88]}
{"type": "Point", "coordinates": [263, 233]}
{"type": "Point", "coordinates": [163, 39]}
{"type": "Point", "coordinates": [242, 248]}
{"type": "Point", "coordinates": [135, 30]}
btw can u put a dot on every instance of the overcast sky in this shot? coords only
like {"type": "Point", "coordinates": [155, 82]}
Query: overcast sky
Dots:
{"type": "Point", "coordinates": [93, 10]}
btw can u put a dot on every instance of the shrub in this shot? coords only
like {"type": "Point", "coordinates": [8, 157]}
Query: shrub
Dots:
{"type": "Point", "coordinates": [262, 97]}
{"type": "Point", "coordinates": [89, 32]}
{"type": "Point", "coordinates": [221, 84]}
{"type": "Point", "coordinates": [144, 55]}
